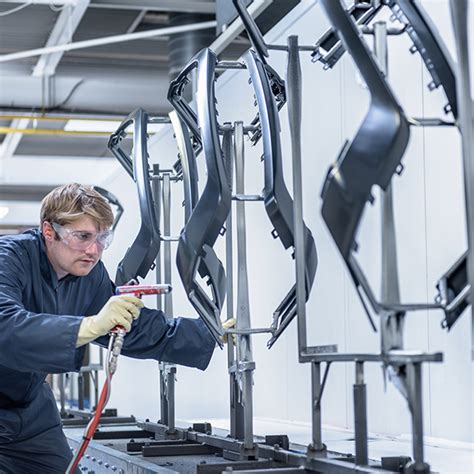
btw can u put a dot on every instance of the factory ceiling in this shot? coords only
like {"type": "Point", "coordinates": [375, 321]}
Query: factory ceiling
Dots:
{"type": "Point", "coordinates": [88, 79]}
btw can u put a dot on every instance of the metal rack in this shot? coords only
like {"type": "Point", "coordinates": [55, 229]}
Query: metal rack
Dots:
{"type": "Point", "coordinates": [198, 447]}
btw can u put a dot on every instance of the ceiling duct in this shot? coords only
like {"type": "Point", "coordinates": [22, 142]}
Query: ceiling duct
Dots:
{"type": "Point", "coordinates": [183, 46]}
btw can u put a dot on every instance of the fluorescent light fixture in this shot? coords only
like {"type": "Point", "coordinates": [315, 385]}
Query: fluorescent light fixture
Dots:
{"type": "Point", "coordinates": [91, 125]}
{"type": "Point", "coordinates": [103, 126]}
{"type": "Point", "coordinates": [3, 211]}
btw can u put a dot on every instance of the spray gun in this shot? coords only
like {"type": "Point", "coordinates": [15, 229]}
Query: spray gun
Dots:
{"type": "Point", "coordinates": [140, 290]}
{"type": "Point", "coordinates": [117, 335]}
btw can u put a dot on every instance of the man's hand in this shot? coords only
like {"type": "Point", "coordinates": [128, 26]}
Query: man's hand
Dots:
{"type": "Point", "coordinates": [118, 311]}
{"type": "Point", "coordinates": [227, 324]}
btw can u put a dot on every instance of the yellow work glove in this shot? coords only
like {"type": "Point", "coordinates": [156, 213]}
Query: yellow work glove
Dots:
{"type": "Point", "coordinates": [118, 311]}
{"type": "Point", "coordinates": [227, 324]}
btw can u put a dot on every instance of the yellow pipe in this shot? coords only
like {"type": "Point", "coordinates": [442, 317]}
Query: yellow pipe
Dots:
{"type": "Point", "coordinates": [57, 118]}
{"type": "Point", "coordinates": [47, 131]}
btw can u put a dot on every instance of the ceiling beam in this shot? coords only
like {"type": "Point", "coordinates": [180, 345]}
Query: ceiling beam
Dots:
{"type": "Point", "coordinates": [107, 40]}
{"type": "Point", "coordinates": [187, 6]}
{"type": "Point", "coordinates": [11, 141]}
{"type": "Point", "coordinates": [136, 21]}
{"type": "Point", "coordinates": [62, 33]}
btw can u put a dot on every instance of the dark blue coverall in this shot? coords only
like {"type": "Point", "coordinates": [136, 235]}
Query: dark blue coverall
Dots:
{"type": "Point", "coordinates": [39, 322]}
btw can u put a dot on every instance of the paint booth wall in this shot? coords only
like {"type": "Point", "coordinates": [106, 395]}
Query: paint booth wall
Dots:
{"type": "Point", "coordinates": [429, 213]}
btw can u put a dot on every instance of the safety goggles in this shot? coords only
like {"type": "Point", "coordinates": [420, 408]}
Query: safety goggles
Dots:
{"type": "Point", "coordinates": [82, 239]}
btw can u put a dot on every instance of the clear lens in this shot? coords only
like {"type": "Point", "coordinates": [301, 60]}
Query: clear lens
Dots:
{"type": "Point", "coordinates": [104, 239]}
{"type": "Point", "coordinates": [82, 240]}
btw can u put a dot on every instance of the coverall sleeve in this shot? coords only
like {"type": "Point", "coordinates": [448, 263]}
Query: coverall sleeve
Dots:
{"type": "Point", "coordinates": [29, 341]}
{"type": "Point", "coordinates": [183, 341]}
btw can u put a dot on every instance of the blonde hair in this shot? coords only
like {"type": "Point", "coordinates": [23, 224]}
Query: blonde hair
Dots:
{"type": "Point", "coordinates": [68, 203]}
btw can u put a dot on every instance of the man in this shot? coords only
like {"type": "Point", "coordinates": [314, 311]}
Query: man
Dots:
{"type": "Point", "coordinates": [55, 297]}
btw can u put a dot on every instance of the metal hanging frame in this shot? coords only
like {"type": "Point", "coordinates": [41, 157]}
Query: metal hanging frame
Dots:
{"type": "Point", "coordinates": [271, 96]}
{"type": "Point", "coordinates": [195, 252]}
{"type": "Point", "coordinates": [431, 47]}
{"type": "Point", "coordinates": [188, 148]}
{"type": "Point", "coordinates": [277, 84]}
{"type": "Point", "coordinates": [278, 202]}
{"type": "Point", "coordinates": [329, 48]}
{"type": "Point", "coordinates": [113, 201]}
{"type": "Point", "coordinates": [141, 255]}
{"type": "Point", "coordinates": [454, 286]}
{"type": "Point", "coordinates": [459, 17]}
{"type": "Point", "coordinates": [187, 167]}
{"type": "Point", "coordinates": [347, 186]}
{"type": "Point", "coordinates": [370, 159]}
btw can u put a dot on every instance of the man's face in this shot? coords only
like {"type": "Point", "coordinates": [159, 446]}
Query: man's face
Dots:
{"type": "Point", "coordinates": [65, 259]}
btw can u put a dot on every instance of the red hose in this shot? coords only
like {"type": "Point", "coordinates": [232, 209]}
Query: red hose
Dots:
{"type": "Point", "coordinates": [90, 430]}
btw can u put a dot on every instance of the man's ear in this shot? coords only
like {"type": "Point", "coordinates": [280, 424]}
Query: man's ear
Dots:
{"type": "Point", "coordinates": [47, 231]}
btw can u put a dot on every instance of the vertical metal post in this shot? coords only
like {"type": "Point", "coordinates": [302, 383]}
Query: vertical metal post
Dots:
{"type": "Point", "coordinates": [62, 394]}
{"type": "Point", "coordinates": [156, 192]}
{"type": "Point", "coordinates": [294, 91]}
{"type": "Point", "coordinates": [247, 397]}
{"type": "Point", "coordinates": [236, 407]}
{"type": "Point", "coordinates": [390, 288]}
{"type": "Point", "coordinates": [163, 395]}
{"type": "Point", "coordinates": [157, 198]}
{"type": "Point", "coordinates": [245, 363]}
{"type": "Point", "coordinates": [360, 416]}
{"type": "Point", "coordinates": [101, 362]}
{"type": "Point", "coordinates": [415, 403]}
{"type": "Point", "coordinates": [316, 390]}
{"type": "Point", "coordinates": [80, 390]}
{"type": "Point", "coordinates": [96, 389]}
{"type": "Point", "coordinates": [459, 17]}
{"type": "Point", "coordinates": [84, 382]}
{"type": "Point", "coordinates": [171, 381]}
{"type": "Point", "coordinates": [167, 244]}
{"type": "Point", "coordinates": [391, 324]}
{"type": "Point", "coordinates": [380, 46]}
{"type": "Point", "coordinates": [168, 370]}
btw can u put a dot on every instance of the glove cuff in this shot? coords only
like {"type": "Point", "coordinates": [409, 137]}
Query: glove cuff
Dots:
{"type": "Point", "coordinates": [87, 331]}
